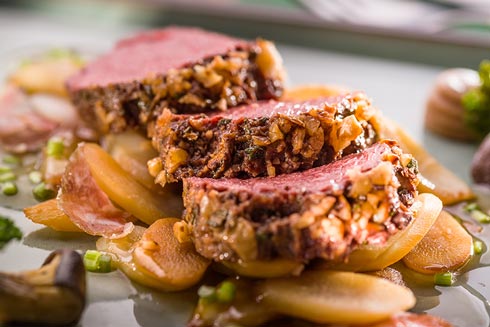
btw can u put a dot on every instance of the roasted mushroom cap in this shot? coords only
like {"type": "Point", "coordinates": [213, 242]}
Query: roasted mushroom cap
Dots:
{"type": "Point", "coordinates": [51, 295]}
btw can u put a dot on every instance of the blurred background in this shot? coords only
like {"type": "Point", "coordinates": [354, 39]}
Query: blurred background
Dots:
{"type": "Point", "coordinates": [438, 32]}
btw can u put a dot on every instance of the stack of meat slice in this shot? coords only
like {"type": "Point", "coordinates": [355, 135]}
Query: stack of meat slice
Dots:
{"type": "Point", "coordinates": [263, 179]}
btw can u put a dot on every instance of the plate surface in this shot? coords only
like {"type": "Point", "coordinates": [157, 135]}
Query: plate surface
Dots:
{"type": "Point", "coordinates": [399, 89]}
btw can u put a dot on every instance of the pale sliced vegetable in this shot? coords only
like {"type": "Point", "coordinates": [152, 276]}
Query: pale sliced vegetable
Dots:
{"type": "Point", "coordinates": [159, 254]}
{"type": "Point", "coordinates": [49, 214]}
{"type": "Point", "coordinates": [312, 91]}
{"type": "Point", "coordinates": [45, 76]}
{"type": "Point", "coordinates": [375, 257]}
{"type": "Point", "coordinates": [125, 191]}
{"type": "Point", "coordinates": [132, 151]}
{"type": "Point", "coordinates": [336, 297]}
{"type": "Point", "coordinates": [121, 250]}
{"type": "Point", "coordinates": [445, 185]}
{"type": "Point", "coordinates": [446, 247]}
{"type": "Point", "coordinates": [265, 269]}
{"type": "Point", "coordinates": [390, 274]}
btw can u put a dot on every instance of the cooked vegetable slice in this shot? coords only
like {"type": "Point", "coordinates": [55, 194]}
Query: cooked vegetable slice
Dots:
{"type": "Point", "coordinates": [372, 257]}
{"type": "Point", "coordinates": [132, 151]}
{"type": "Point", "coordinates": [443, 183]}
{"type": "Point", "coordinates": [312, 91]}
{"type": "Point", "coordinates": [264, 269]}
{"type": "Point", "coordinates": [125, 191]}
{"type": "Point", "coordinates": [49, 214]}
{"type": "Point", "coordinates": [95, 261]}
{"type": "Point", "coordinates": [447, 246]}
{"type": "Point", "coordinates": [47, 75]}
{"type": "Point", "coordinates": [336, 297]}
{"type": "Point", "coordinates": [51, 295]}
{"type": "Point", "coordinates": [159, 254]}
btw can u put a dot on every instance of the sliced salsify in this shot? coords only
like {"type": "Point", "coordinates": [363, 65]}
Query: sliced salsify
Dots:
{"type": "Point", "coordinates": [155, 258]}
{"type": "Point", "coordinates": [335, 297]}
{"type": "Point", "coordinates": [446, 247]}
{"type": "Point", "coordinates": [49, 214]}
{"type": "Point", "coordinates": [132, 151]}
{"type": "Point", "coordinates": [376, 257]}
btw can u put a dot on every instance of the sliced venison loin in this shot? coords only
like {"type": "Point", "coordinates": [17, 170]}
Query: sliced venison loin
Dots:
{"type": "Point", "coordinates": [186, 70]}
{"type": "Point", "coordinates": [267, 138]}
{"type": "Point", "coordinates": [324, 212]}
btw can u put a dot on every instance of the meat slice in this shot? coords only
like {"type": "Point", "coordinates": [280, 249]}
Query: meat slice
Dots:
{"type": "Point", "coordinates": [323, 212]}
{"type": "Point", "coordinates": [263, 139]}
{"type": "Point", "coordinates": [184, 69]}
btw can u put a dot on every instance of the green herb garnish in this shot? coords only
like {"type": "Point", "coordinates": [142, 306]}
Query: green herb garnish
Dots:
{"type": "Point", "coordinates": [444, 279]}
{"type": "Point", "coordinates": [95, 261]}
{"type": "Point", "coordinates": [42, 193]}
{"type": "Point", "coordinates": [8, 231]}
{"type": "Point", "coordinates": [477, 103]}
{"type": "Point", "coordinates": [9, 188]}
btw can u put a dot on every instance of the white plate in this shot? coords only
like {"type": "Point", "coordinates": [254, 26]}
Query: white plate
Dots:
{"type": "Point", "coordinates": [399, 89]}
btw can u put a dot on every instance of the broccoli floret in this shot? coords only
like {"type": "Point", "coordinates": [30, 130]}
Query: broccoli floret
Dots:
{"type": "Point", "coordinates": [8, 231]}
{"type": "Point", "coordinates": [477, 103]}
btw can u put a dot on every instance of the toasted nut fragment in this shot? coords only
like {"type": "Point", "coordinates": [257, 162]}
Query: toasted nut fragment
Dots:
{"type": "Point", "coordinates": [375, 257]}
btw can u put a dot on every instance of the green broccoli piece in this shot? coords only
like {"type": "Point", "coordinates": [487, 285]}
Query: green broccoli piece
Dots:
{"type": "Point", "coordinates": [8, 231]}
{"type": "Point", "coordinates": [477, 103]}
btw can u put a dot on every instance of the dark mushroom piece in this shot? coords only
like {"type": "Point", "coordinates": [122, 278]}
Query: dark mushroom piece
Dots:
{"type": "Point", "coordinates": [52, 295]}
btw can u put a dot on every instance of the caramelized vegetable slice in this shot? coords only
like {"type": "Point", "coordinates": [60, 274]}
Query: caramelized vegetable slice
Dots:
{"type": "Point", "coordinates": [312, 91]}
{"type": "Point", "coordinates": [442, 182]}
{"type": "Point", "coordinates": [372, 257]}
{"type": "Point", "coordinates": [126, 191]}
{"type": "Point", "coordinates": [47, 213]}
{"type": "Point", "coordinates": [177, 266]}
{"type": "Point", "coordinates": [265, 269]}
{"type": "Point", "coordinates": [336, 297]}
{"type": "Point", "coordinates": [447, 246]}
{"type": "Point", "coordinates": [46, 76]}
{"type": "Point", "coordinates": [121, 250]}
{"type": "Point", "coordinates": [132, 152]}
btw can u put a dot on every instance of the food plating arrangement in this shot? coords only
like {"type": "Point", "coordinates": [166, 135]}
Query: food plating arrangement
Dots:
{"type": "Point", "coordinates": [194, 167]}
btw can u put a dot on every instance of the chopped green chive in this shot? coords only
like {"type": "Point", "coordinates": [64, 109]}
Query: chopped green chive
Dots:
{"type": "Point", "coordinates": [475, 212]}
{"type": "Point", "coordinates": [225, 292]}
{"type": "Point", "coordinates": [95, 261]}
{"type": "Point", "coordinates": [480, 216]}
{"type": "Point", "coordinates": [35, 177]}
{"type": "Point", "coordinates": [477, 247]}
{"type": "Point", "coordinates": [5, 169]}
{"type": "Point", "coordinates": [55, 147]}
{"type": "Point", "coordinates": [10, 159]}
{"type": "Point", "coordinates": [444, 279]}
{"type": "Point", "coordinates": [7, 177]}
{"type": "Point", "coordinates": [207, 292]}
{"type": "Point", "coordinates": [471, 206]}
{"type": "Point", "coordinates": [9, 188]}
{"type": "Point", "coordinates": [42, 193]}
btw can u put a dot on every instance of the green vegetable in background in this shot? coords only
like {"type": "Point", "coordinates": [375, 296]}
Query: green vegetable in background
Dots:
{"type": "Point", "coordinates": [8, 231]}
{"type": "Point", "coordinates": [477, 103]}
